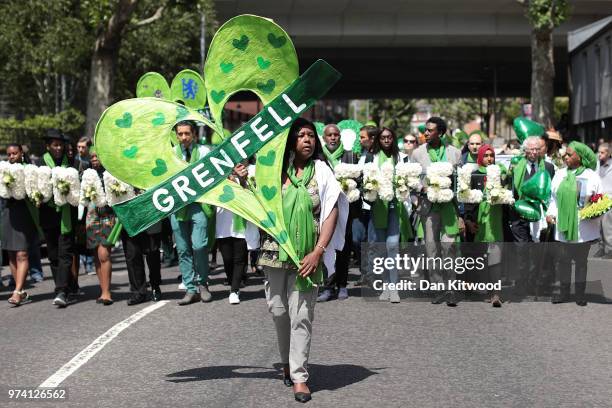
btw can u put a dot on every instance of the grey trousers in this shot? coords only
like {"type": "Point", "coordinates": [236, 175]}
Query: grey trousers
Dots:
{"type": "Point", "coordinates": [606, 233]}
{"type": "Point", "coordinates": [292, 313]}
{"type": "Point", "coordinates": [438, 244]}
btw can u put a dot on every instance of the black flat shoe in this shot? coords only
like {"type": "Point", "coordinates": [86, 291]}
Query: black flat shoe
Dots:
{"type": "Point", "coordinates": [287, 381]}
{"type": "Point", "coordinates": [135, 300]}
{"type": "Point", "coordinates": [302, 396]}
{"type": "Point", "coordinates": [581, 302]}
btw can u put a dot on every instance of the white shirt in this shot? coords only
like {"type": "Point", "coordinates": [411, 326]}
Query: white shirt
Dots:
{"type": "Point", "coordinates": [203, 150]}
{"type": "Point", "coordinates": [224, 227]}
{"type": "Point", "coordinates": [589, 183]}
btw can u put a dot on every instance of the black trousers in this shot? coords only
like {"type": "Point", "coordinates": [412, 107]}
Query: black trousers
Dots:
{"type": "Point", "coordinates": [60, 251]}
{"type": "Point", "coordinates": [576, 253]}
{"type": "Point", "coordinates": [135, 248]}
{"type": "Point", "coordinates": [340, 278]}
{"type": "Point", "coordinates": [234, 253]}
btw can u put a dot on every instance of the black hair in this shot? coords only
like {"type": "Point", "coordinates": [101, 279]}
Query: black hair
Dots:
{"type": "Point", "coordinates": [376, 147]}
{"type": "Point", "coordinates": [371, 131]}
{"type": "Point", "coordinates": [440, 124]}
{"type": "Point", "coordinates": [17, 145]}
{"type": "Point", "coordinates": [186, 123]}
{"type": "Point", "coordinates": [298, 124]}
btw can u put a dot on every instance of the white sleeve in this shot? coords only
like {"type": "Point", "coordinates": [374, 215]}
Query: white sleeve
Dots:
{"type": "Point", "coordinates": [331, 193]}
{"type": "Point", "coordinates": [552, 207]}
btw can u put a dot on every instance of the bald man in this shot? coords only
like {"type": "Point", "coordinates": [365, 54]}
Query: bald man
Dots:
{"type": "Point", "coordinates": [474, 143]}
{"type": "Point", "coordinates": [335, 153]}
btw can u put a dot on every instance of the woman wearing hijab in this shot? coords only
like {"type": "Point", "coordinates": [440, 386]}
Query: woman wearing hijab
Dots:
{"type": "Point", "coordinates": [571, 187]}
{"type": "Point", "coordinates": [314, 211]}
{"type": "Point", "coordinates": [485, 220]}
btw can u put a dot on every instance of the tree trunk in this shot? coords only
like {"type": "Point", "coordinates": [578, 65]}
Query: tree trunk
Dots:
{"type": "Point", "coordinates": [103, 60]}
{"type": "Point", "coordinates": [542, 76]}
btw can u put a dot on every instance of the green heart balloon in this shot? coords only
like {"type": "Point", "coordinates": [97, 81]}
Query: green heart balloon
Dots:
{"type": "Point", "coordinates": [528, 210]}
{"type": "Point", "coordinates": [538, 187]}
{"type": "Point", "coordinates": [188, 87]}
{"type": "Point", "coordinates": [154, 85]}
{"type": "Point", "coordinates": [421, 128]}
{"type": "Point", "coordinates": [524, 128]}
{"type": "Point", "coordinates": [515, 159]}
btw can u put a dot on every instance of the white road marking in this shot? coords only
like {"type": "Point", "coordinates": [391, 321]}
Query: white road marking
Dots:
{"type": "Point", "coordinates": [97, 345]}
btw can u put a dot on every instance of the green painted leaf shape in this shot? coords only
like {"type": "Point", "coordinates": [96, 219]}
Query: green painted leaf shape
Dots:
{"type": "Point", "coordinates": [152, 85]}
{"type": "Point", "coordinates": [188, 87]}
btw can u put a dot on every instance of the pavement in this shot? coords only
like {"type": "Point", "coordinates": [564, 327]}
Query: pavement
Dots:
{"type": "Point", "coordinates": [364, 354]}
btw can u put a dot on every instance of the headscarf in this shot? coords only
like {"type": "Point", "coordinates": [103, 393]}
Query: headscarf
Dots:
{"type": "Point", "coordinates": [587, 156]}
{"type": "Point", "coordinates": [481, 152]}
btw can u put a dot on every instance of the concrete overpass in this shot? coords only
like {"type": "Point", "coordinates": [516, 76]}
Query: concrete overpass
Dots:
{"type": "Point", "coordinates": [412, 49]}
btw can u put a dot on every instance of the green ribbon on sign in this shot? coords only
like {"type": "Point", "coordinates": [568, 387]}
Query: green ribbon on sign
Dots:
{"type": "Point", "coordinates": [198, 178]}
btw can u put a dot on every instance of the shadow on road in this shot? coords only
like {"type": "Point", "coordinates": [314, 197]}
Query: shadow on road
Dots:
{"type": "Point", "coordinates": [324, 377]}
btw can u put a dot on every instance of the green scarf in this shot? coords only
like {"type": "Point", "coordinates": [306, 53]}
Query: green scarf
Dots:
{"type": "Point", "coordinates": [437, 154]}
{"type": "Point", "coordinates": [567, 203]}
{"type": "Point", "coordinates": [333, 157]}
{"type": "Point", "coordinates": [380, 208]}
{"type": "Point", "coordinates": [489, 220]}
{"type": "Point", "coordinates": [448, 215]}
{"type": "Point", "coordinates": [470, 158]}
{"type": "Point", "coordinates": [519, 172]}
{"type": "Point", "coordinates": [299, 222]}
{"type": "Point", "coordinates": [66, 222]}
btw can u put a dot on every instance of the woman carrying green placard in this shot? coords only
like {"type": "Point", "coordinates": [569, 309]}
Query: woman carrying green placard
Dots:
{"type": "Point", "coordinates": [314, 208]}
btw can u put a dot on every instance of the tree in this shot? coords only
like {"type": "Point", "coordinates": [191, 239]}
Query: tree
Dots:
{"type": "Point", "coordinates": [544, 16]}
{"type": "Point", "coordinates": [52, 51]}
{"type": "Point", "coordinates": [395, 114]}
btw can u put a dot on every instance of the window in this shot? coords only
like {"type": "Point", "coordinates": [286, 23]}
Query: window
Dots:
{"type": "Point", "coordinates": [598, 74]}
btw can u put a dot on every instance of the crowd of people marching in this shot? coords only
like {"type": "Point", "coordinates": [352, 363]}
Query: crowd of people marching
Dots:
{"type": "Point", "coordinates": [438, 192]}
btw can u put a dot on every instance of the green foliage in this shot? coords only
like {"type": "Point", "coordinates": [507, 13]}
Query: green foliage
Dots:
{"type": "Point", "coordinates": [547, 14]}
{"type": "Point", "coordinates": [456, 111]}
{"type": "Point", "coordinates": [46, 48]}
{"type": "Point", "coordinates": [30, 131]}
{"type": "Point", "coordinates": [395, 114]}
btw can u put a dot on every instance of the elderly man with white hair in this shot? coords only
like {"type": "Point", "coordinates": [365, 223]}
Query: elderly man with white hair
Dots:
{"type": "Point", "coordinates": [523, 231]}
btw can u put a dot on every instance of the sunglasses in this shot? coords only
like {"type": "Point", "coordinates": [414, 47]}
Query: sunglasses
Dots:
{"type": "Point", "coordinates": [409, 141]}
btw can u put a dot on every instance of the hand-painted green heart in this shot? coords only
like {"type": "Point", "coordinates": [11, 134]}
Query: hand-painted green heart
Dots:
{"type": "Point", "coordinates": [159, 119]}
{"type": "Point", "coordinates": [125, 121]}
{"type": "Point", "coordinates": [160, 168]}
{"type": "Point", "coordinates": [276, 42]}
{"type": "Point", "coordinates": [271, 221]}
{"type": "Point", "coordinates": [263, 63]}
{"type": "Point", "coordinates": [228, 194]}
{"type": "Point", "coordinates": [181, 112]}
{"type": "Point", "coordinates": [217, 96]}
{"type": "Point", "coordinates": [268, 192]}
{"type": "Point", "coordinates": [268, 159]}
{"type": "Point", "coordinates": [268, 87]}
{"type": "Point", "coordinates": [241, 43]}
{"type": "Point", "coordinates": [282, 237]}
{"type": "Point", "coordinates": [130, 153]}
{"type": "Point", "coordinates": [226, 67]}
